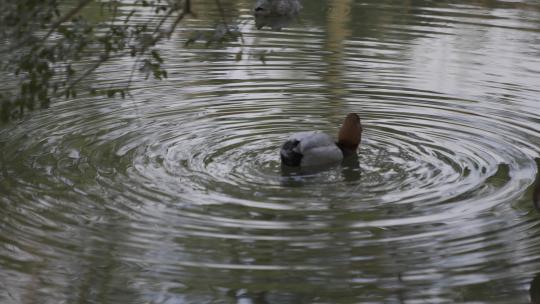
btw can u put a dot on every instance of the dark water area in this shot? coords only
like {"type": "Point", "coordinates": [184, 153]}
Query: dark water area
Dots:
{"type": "Point", "coordinates": [176, 194]}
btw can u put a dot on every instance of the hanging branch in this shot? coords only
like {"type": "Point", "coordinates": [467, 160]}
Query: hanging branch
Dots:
{"type": "Point", "coordinates": [46, 68]}
{"type": "Point", "coordinates": [54, 27]}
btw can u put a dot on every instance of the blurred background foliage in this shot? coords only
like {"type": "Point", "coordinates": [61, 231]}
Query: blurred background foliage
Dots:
{"type": "Point", "coordinates": [43, 42]}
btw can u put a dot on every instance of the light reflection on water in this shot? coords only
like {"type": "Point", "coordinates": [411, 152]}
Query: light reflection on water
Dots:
{"type": "Point", "coordinates": [176, 195]}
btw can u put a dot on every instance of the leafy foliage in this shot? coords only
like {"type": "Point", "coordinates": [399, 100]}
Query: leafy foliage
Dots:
{"type": "Point", "coordinates": [42, 43]}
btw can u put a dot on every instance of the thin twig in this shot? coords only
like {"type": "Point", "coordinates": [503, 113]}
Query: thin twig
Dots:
{"type": "Point", "coordinates": [103, 58]}
{"type": "Point", "coordinates": [66, 17]}
{"type": "Point", "coordinates": [163, 21]}
{"type": "Point", "coordinates": [186, 11]}
{"type": "Point", "coordinates": [73, 83]}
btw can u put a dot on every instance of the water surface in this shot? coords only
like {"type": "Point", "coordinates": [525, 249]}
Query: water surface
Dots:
{"type": "Point", "coordinates": [176, 194]}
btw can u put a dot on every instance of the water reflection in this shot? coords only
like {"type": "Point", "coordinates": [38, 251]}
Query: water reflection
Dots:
{"type": "Point", "coordinates": [276, 23]}
{"type": "Point", "coordinates": [275, 14]}
{"type": "Point", "coordinates": [337, 32]}
{"type": "Point", "coordinates": [177, 195]}
{"type": "Point", "coordinates": [535, 290]}
{"type": "Point", "coordinates": [536, 193]}
{"type": "Point", "coordinates": [349, 171]}
{"type": "Point", "coordinates": [267, 297]}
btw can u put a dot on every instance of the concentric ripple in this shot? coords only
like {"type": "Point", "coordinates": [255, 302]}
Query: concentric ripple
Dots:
{"type": "Point", "coordinates": [177, 194]}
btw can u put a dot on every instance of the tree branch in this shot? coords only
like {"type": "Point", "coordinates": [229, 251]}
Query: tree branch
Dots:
{"type": "Point", "coordinates": [53, 28]}
{"type": "Point", "coordinates": [66, 18]}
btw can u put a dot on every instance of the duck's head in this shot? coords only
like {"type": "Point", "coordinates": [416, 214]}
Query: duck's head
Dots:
{"type": "Point", "coordinates": [350, 134]}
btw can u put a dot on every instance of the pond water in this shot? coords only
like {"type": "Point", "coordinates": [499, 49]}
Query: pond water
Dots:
{"type": "Point", "coordinates": [176, 194]}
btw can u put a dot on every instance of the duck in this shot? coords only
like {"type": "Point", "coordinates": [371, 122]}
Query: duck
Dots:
{"type": "Point", "coordinates": [277, 7]}
{"type": "Point", "coordinates": [315, 148]}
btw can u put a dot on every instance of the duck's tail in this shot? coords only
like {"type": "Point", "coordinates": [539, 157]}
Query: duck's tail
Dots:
{"type": "Point", "coordinates": [288, 154]}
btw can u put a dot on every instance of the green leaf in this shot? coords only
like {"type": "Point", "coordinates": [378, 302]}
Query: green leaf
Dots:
{"type": "Point", "coordinates": [156, 56]}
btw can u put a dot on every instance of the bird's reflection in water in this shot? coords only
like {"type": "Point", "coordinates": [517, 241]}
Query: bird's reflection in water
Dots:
{"type": "Point", "coordinates": [535, 290]}
{"type": "Point", "coordinates": [244, 296]}
{"type": "Point", "coordinates": [351, 168]}
{"type": "Point", "coordinates": [299, 176]}
{"type": "Point", "coordinates": [275, 22]}
{"type": "Point", "coordinates": [275, 14]}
